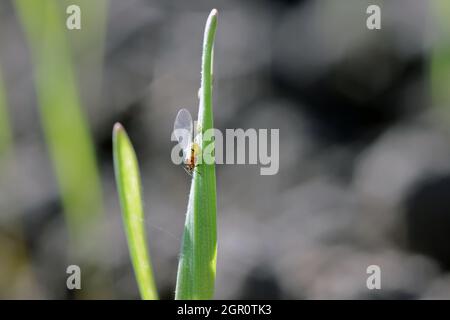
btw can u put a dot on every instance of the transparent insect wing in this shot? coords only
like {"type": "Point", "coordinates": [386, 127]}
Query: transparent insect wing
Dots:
{"type": "Point", "coordinates": [183, 130]}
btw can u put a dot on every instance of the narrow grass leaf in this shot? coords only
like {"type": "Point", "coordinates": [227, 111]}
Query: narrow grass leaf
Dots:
{"type": "Point", "coordinates": [197, 264]}
{"type": "Point", "coordinates": [129, 189]}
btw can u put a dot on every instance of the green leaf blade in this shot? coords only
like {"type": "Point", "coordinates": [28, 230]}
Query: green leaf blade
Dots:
{"type": "Point", "coordinates": [129, 188]}
{"type": "Point", "coordinates": [197, 265]}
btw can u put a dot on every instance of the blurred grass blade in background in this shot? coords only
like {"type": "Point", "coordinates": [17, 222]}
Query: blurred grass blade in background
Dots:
{"type": "Point", "coordinates": [5, 128]}
{"type": "Point", "coordinates": [88, 50]}
{"type": "Point", "coordinates": [197, 265]}
{"type": "Point", "coordinates": [66, 130]}
{"type": "Point", "coordinates": [129, 188]}
{"type": "Point", "coordinates": [440, 63]}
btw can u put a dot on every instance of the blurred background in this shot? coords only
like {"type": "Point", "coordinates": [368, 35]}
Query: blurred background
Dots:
{"type": "Point", "coordinates": [364, 121]}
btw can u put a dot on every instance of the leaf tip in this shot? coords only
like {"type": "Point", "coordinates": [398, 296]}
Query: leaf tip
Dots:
{"type": "Point", "coordinates": [118, 131]}
{"type": "Point", "coordinates": [117, 128]}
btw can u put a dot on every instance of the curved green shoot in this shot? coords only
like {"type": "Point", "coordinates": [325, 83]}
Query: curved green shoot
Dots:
{"type": "Point", "coordinates": [197, 265]}
{"type": "Point", "coordinates": [129, 188]}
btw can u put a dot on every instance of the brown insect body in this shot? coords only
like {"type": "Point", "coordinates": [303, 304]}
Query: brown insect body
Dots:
{"type": "Point", "coordinates": [189, 164]}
